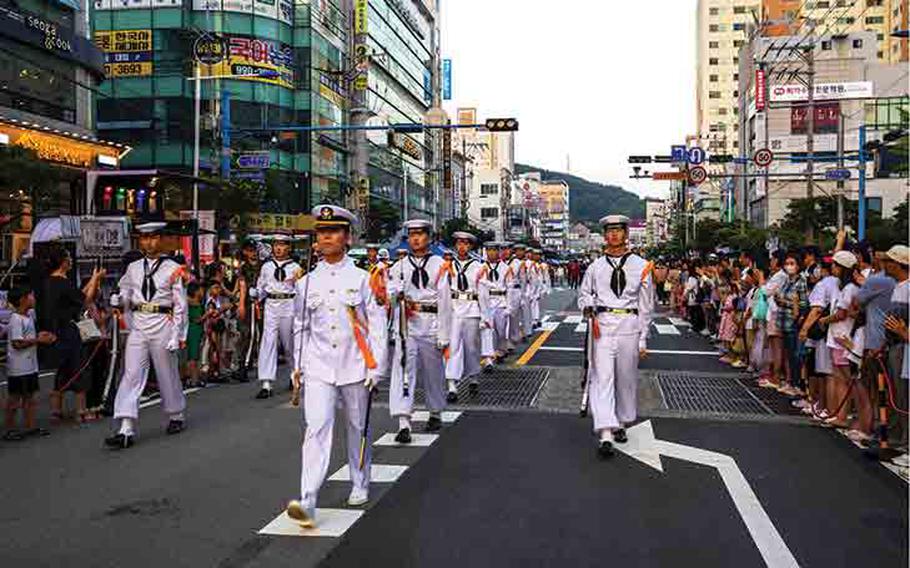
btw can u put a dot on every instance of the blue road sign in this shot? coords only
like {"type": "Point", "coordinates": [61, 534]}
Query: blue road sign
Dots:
{"type": "Point", "coordinates": [254, 161]}
{"type": "Point", "coordinates": [837, 174]}
{"type": "Point", "coordinates": [446, 79]}
{"type": "Point", "coordinates": [696, 155]}
{"type": "Point", "coordinates": [678, 153]}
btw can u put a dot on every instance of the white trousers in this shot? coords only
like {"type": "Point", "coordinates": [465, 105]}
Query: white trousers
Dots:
{"type": "Point", "coordinates": [535, 310]}
{"type": "Point", "coordinates": [613, 381]}
{"type": "Point", "coordinates": [496, 339]}
{"type": "Point", "coordinates": [526, 316]}
{"type": "Point", "coordinates": [141, 350]}
{"type": "Point", "coordinates": [275, 328]}
{"type": "Point", "coordinates": [424, 363]}
{"type": "Point", "coordinates": [319, 404]}
{"type": "Point", "coordinates": [515, 320]}
{"type": "Point", "coordinates": [464, 349]}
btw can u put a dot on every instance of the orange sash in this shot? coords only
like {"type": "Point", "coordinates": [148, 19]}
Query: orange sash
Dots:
{"type": "Point", "coordinates": [360, 333]}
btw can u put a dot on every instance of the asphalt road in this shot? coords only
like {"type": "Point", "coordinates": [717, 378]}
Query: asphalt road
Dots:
{"type": "Point", "coordinates": [498, 487]}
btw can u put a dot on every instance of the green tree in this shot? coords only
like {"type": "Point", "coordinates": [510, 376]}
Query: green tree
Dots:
{"type": "Point", "coordinates": [21, 170]}
{"type": "Point", "coordinates": [382, 221]}
{"type": "Point", "coordinates": [463, 224]}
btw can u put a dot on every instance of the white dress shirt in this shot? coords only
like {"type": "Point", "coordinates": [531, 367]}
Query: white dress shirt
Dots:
{"type": "Point", "coordinates": [436, 292]}
{"type": "Point", "coordinates": [463, 307]}
{"type": "Point", "coordinates": [269, 284]}
{"type": "Point", "coordinates": [168, 292]}
{"type": "Point", "coordinates": [638, 294]}
{"type": "Point", "coordinates": [322, 322]}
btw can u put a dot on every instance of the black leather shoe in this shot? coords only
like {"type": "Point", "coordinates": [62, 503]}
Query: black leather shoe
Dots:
{"type": "Point", "coordinates": [452, 397]}
{"type": "Point", "coordinates": [118, 442]}
{"type": "Point", "coordinates": [434, 424]}
{"type": "Point", "coordinates": [403, 436]}
{"type": "Point", "coordinates": [605, 449]}
{"type": "Point", "coordinates": [175, 427]}
{"type": "Point", "coordinates": [263, 393]}
{"type": "Point", "coordinates": [619, 436]}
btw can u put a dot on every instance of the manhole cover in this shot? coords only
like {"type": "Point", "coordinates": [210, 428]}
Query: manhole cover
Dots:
{"type": "Point", "coordinates": [503, 388]}
{"type": "Point", "coordinates": [699, 393]}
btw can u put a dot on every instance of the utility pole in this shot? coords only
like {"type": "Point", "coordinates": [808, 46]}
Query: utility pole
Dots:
{"type": "Point", "coordinates": [359, 59]}
{"type": "Point", "coordinates": [810, 120]}
{"type": "Point", "coordinates": [840, 166]}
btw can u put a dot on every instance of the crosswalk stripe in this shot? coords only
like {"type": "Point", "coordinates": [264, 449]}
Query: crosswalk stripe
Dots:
{"type": "Point", "coordinates": [581, 327]}
{"type": "Point", "coordinates": [550, 326]}
{"type": "Point", "coordinates": [417, 440]}
{"type": "Point", "coordinates": [448, 416]}
{"type": "Point", "coordinates": [679, 322]}
{"type": "Point", "coordinates": [331, 523]}
{"type": "Point", "coordinates": [572, 319]}
{"type": "Point", "coordinates": [666, 329]}
{"type": "Point", "coordinates": [379, 473]}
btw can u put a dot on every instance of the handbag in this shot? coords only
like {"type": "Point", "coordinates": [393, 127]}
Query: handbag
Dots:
{"type": "Point", "coordinates": [88, 329]}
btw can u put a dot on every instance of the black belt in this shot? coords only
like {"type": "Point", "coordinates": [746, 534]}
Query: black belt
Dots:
{"type": "Point", "coordinates": [497, 292]}
{"type": "Point", "coordinates": [471, 296]}
{"type": "Point", "coordinates": [517, 286]}
{"type": "Point", "coordinates": [280, 296]}
{"type": "Point", "coordinates": [425, 308]}
{"type": "Point", "coordinates": [153, 309]}
{"type": "Point", "coordinates": [621, 311]}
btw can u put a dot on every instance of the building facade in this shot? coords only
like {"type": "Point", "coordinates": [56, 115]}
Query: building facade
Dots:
{"type": "Point", "coordinates": [554, 214]}
{"type": "Point", "coordinates": [656, 221]}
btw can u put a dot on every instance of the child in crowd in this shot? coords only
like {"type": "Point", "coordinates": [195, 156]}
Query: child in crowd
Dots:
{"type": "Point", "coordinates": [195, 296]}
{"type": "Point", "coordinates": [22, 363]}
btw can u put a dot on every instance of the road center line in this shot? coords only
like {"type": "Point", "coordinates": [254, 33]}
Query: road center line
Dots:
{"type": "Point", "coordinates": [526, 356]}
{"type": "Point", "coordinates": [651, 351]}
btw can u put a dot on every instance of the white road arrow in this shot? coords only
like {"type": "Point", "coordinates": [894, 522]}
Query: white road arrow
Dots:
{"type": "Point", "coordinates": [645, 448]}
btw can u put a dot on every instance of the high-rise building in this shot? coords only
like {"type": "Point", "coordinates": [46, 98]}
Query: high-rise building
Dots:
{"type": "Point", "coordinates": [721, 32]}
{"type": "Point", "coordinates": [881, 17]}
{"type": "Point", "coordinates": [554, 214]}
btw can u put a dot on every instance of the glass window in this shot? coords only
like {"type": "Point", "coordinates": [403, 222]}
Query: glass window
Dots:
{"type": "Point", "coordinates": [713, 44]}
{"type": "Point", "coordinates": [857, 43]}
{"type": "Point", "coordinates": [712, 61]}
{"type": "Point", "coordinates": [739, 26]}
{"type": "Point", "coordinates": [875, 19]}
{"type": "Point", "coordinates": [739, 9]}
{"type": "Point", "coordinates": [714, 94]}
{"type": "Point", "coordinates": [712, 78]}
{"type": "Point", "coordinates": [826, 45]}
{"type": "Point", "coordinates": [713, 11]}
{"type": "Point", "coordinates": [489, 212]}
{"type": "Point", "coordinates": [489, 189]}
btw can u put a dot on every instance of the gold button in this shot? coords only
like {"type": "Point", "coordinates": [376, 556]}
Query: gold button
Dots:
{"type": "Point", "coordinates": [334, 346]}
{"type": "Point", "coordinates": [333, 327]}
{"type": "Point", "coordinates": [331, 291]}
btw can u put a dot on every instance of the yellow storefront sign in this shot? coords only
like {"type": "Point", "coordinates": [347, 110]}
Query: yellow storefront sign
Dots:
{"type": "Point", "coordinates": [127, 53]}
{"type": "Point", "coordinates": [60, 149]}
{"type": "Point", "coordinates": [361, 16]}
{"type": "Point", "coordinates": [269, 222]}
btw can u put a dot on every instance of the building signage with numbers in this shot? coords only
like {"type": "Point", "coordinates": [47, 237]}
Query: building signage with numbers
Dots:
{"type": "Point", "coordinates": [127, 53]}
{"type": "Point", "coordinates": [248, 56]}
{"type": "Point", "coordinates": [361, 9]}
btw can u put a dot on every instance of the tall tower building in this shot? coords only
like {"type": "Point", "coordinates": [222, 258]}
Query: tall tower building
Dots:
{"type": "Point", "coordinates": [721, 32]}
{"type": "Point", "coordinates": [882, 17]}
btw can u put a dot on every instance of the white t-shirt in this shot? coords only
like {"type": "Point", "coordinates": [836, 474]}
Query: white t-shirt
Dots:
{"type": "Point", "coordinates": [21, 361]}
{"type": "Point", "coordinates": [844, 327]}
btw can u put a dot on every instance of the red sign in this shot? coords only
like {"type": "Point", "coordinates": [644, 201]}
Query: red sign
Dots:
{"type": "Point", "coordinates": [697, 175]}
{"type": "Point", "coordinates": [761, 89]}
{"type": "Point", "coordinates": [826, 118]}
{"type": "Point", "coordinates": [668, 176]}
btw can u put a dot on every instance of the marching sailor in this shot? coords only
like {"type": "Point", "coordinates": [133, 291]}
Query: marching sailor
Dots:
{"type": "Point", "coordinates": [493, 285]}
{"type": "Point", "coordinates": [152, 289]}
{"type": "Point", "coordinates": [464, 352]}
{"type": "Point", "coordinates": [617, 298]}
{"type": "Point", "coordinates": [541, 285]}
{"type": "Point", "coordinates": [341, 344]}
{"type": "Point", "coordinates": [529, 290]}
{"type": "Point", "coordinates": [246, 305]}
{"type": "Point", "coordinates": [275, 289]}
{"type": "Point", "coordinates": [419, 286]}
{"type": "Point", "coordinates": [516, 295]}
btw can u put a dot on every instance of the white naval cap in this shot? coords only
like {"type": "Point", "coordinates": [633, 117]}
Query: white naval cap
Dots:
{"type": "Point", "coordinates": [614, 222]}
{"type": "Point", "coordinates": [374, 246]}
{"type": "Point", "coordinates": [328, 215]}
{"type": "Point", "coordinates": [150, 227]}
{"type": "Point", "coordinates": [281, 238]}
{"type": "Point", "coordinates": [383, 253]}
{"type": "Point", "coordinates": [418, 225]}
{"type": "Point", "coordinates": [519, 246]}
{"type": "Point", "coordinates": [464, 235]}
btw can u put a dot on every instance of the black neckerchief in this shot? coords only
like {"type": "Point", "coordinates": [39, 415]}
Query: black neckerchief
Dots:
{"type": "Point", "coordinates": [462, 277]}
{"type": "Point", "coordinates": [148, 282]}
{"type": "Point", "coordinates": [280, 274]}
{"type": "Point", "coordinates": [419, 276]}
{"type": "Point", "coordinates": [618, 278]}
{"type": "Point", "coordinates": [493, 274]}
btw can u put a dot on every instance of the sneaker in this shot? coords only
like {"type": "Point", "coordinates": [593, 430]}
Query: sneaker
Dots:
{"type": "Point", "coordinates": [858, 435]}
{"type": "Point", "coordinates": [304, 516]}
{"type": "Point", "coordinates": [821, 415]}
{"type": "Point", "coordinates": [902, 460]}
{"type": "Point", "coordinates": [358, 497]}
{"type": "Point", "coordinates": [766, 384]}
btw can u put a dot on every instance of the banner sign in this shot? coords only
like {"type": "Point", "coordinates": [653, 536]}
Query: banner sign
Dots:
{"type": "Point", "coordinates": [282, 10]}
{"type": "Point", "coordinates": [761, 89]}
{"type": "Point", "coordinates": [209, 49]}
{"type": "Point", "coordinates": [247, 56]}
{"type": "Point", "coordinates": [826, 118]}
{"type": "Point", "coordinates": [127, 53]}
{"type": "Point", "coordinates": [254, 161]}
{"type": "Point", "coordinates": [447, 159]}
{"type": "Point", "coordinates": [446, 79]}
{"type": "Point", "coordinates": [668, 176]}
{"type": "Point", "coordinates": [206, 241]}
{"type": "Point", "coordinates": [823, 91]}
{"type": "Point", "coordinates": [136, 4]}
{"type": "Point", "coordinates": [103, 237]}
{"type": "Point", "coordinates": [38, 31]}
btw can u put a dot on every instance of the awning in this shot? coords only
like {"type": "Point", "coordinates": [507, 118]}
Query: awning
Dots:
{"type": "Point", "coordinates": [70, 4]}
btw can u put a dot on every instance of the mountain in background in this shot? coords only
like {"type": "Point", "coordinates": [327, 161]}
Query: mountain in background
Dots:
{"type": "Point", "coordinates": [589, 200]}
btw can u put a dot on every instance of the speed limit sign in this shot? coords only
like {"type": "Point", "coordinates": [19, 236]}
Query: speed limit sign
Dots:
{"type": "Point", "coordinates": [763, 158]}
{"type": "Point", "coordinates": [697, 175]}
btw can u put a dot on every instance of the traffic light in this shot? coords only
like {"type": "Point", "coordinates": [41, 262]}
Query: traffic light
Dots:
{"type": "Point", "coordinates": [501, 124]}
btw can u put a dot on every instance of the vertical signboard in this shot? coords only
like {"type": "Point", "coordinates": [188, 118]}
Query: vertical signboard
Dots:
{"type": "Point", "coordinates": [761, 90]}
{"type": "Point", "coordinates": [127, 53]}
{"type": "Point", "coordinates": [361, 8]}
{"type": "Point", "coordinates": [446, 79]}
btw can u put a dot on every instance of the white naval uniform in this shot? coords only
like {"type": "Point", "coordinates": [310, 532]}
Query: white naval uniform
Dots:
{"type": "Point", "coordinates": [515, 296]}
{"type": "Point", "coordinates": [278, 318]}
{"type": "Point", "coordinates": [613, 370]}
{"type": "Point", "coordinates": [154, 338]}
{"type": "Point", "coordinates": [542, 289]}
{"type": "Point", "coordinates": [528, 294]}
{"type": "Point", "coordinates": [427, 334]}
{"type": "Point", "coordinates": [332, 366]}
{"type": "Point", "coordinates": [494, 286]}
{"type": "Point", "coordinates": [464, 350]}
{"type": "Point", "coordinates": [383, 267]}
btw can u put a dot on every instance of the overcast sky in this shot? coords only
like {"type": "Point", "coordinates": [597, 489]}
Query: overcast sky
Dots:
{"type": "Point", "coordinates": [596, 80]}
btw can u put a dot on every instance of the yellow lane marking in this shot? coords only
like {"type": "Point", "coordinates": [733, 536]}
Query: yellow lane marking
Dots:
{"type": "Point", "coordinates": [526, 356]}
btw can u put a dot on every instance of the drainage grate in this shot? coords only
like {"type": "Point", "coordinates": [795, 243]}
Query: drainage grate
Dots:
{"type": "Point", "coordinates": [699, 393]}
{"type": "Point", "coordinates": [501, 388]}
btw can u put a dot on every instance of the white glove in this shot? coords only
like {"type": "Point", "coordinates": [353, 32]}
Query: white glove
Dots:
{"type": "Point", "coordinates": [254, 293]}
{"type": "Point", "coordinates": [371, 382]}
{"type": "Point", "coordinates": [115, 300]}
{"type": "Point", "coordinates": [442, 345]}
{"type": "Point", "coordinates": [173, 345]}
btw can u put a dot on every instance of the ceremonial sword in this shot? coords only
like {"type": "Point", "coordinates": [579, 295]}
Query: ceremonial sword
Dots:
{"type": "Point", "coordinates": [295, 395]}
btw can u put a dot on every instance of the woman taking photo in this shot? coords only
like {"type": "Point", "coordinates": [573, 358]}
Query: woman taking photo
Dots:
{"type": "Point", "coordinates": [63, 305]}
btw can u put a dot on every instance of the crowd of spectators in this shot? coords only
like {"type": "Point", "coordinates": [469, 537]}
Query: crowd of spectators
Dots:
{"type": "Point", "coordinates": [827, 330]}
